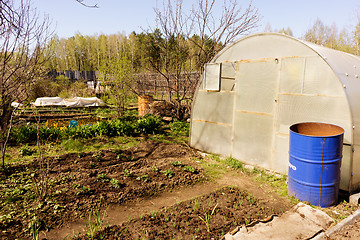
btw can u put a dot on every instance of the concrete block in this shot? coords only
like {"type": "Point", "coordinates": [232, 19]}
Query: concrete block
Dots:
{"type": "Point", "coordinates": [315, 215]}
{"type": "Point", "coordinates": [354, 199]}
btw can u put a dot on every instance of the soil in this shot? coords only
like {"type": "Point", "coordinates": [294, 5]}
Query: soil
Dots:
{"type": "Point", "coordinates": [147, 191]}
{"type": "Point", "coordinates": [206, 217]}
{"type": "Point", "coordinates": [348, 232]}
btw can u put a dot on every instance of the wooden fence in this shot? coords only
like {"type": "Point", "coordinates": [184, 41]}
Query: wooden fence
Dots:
{"type": "Point", "coordinates": [145, 83]}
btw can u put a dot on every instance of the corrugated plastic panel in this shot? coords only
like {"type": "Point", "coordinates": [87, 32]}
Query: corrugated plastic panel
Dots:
{"type": "Point", "coordinates": [281, 153]}
{"type": "Point", "coordinates": [309, 90]}
{"type": "Point", "coordinates": [212, 76]}
{"type": "Point", "coordinates": [355, 168]}
{"type": "Point", "coordinates": [253, 138]}
{"type": "Point", "coordinates": [292, 75]}
{"type": "Point", "coordinates": [214, 107]}
{"type": "Point", "coordinates": [347, 68]}
{"type": "Point", "coordinates": [211, 137]}
{"type": "Point", "coordinates": [228, 70]}
{"type": "Point", "coordinates": [312, 108]}
{"type": "Point", "coordinates": [345, 170]}
{"type": "Point", "coordinates": [263, 45]}
{"type": "Point", "coordinates": [256, 86]}
{"type": "Point", "coordinates": [320, 79]}
{"type": "Point", "coordinates": [227, 84]}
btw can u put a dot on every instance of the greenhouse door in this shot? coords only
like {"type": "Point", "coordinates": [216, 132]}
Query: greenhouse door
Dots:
{"type": "Point", "coordinates": [256, 87]}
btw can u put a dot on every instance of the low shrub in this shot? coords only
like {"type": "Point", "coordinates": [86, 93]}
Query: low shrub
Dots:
{"type": "Point", "coordinates": [119, 127]}
{"type": "Point", "coordinates": [148, 124]}
{"type": "Point", "coordinates": [23, 134]}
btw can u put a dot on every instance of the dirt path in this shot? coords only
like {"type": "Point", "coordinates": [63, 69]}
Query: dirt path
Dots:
{"type": "Point", "coordinates": [117, 214]}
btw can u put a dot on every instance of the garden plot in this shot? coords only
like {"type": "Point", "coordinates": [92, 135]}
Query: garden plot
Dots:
{"type": "Point", "coordinates": [80, 182]}
{"type": "Point", "coordinates": [207, 217]}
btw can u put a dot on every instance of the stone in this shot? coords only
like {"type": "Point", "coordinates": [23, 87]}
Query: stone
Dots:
{"type": "Point", "coordinates": [354, 199]}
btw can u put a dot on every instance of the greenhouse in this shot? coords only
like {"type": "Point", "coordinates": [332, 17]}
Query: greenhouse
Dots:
{"type": "Point", "coordinates": [255, 89]}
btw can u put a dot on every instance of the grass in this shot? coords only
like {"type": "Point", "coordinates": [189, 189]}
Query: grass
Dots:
{"type": "Point", "coordinates": [94, 223]}
{"type": "Point", "coordinates": [215, 167]}
{"type": "Point", "coordinates": [72, 146]}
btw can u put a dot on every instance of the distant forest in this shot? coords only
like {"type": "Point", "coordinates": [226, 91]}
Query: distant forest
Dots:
{"type": "Point", "coordinates": [144, 52]}
{"type": "Point", "coordinates": [147, 52]}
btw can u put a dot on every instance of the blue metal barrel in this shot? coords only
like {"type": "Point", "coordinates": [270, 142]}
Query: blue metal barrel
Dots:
{"type": "Point", "coordinates": [314, 162]}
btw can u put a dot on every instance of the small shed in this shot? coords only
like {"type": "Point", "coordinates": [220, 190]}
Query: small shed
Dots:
{"type": "Point", "coordinates": [256, 88]}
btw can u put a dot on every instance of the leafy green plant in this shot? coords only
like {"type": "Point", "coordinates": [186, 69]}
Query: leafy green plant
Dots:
{"type": "Point", "coordinates": [176, 163]}
{"type": "Point", "coordinates": [251, 199]}
{"type": "Point", "coordinates": [127, 173]}
{"type": "Point", "coordinates": [143, 178]}
{"type": "Point", "coordinates": [115, 183]}
{"type": "Point", "coordinates": [34, 227]}
{"type": "Point", "coordinates": [98, 156]}
{"type": "Point", "coordinates": [189, 169]}
{"type": "Point", "coordinates": [153, 214]}
{"type": "Point", "coordinates": [234, 163]}
{"type": "Point", "coordinates": [180, 127]}
{"type": "Point", "coordinates": [168, 173]}
{"type": "Point", "coordinates": [148, 124]}
{"type": "Point", "coordinates": [24, 134]}
{"type": "Point", "coordinates": [124, 128]}
{"type": "Point", "coordinates": [83, 191]}
{"type": "Point", "coordinates": [102, 177]}
{"type": "Point", "coordinates": [196, 205]}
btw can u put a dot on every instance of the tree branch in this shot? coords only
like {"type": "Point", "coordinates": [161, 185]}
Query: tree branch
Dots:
{"type": "Point", "coordinates": [86, 5]}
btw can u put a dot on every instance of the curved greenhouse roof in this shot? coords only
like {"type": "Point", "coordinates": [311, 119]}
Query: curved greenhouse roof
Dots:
{"type": "Point", "coordinates": [256, 88]}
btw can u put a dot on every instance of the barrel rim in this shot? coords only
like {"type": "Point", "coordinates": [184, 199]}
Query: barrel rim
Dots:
{"type": "Point", "coordinates": [341, 130]}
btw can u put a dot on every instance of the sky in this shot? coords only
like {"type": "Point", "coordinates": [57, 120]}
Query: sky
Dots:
{"type": "Point", "coordinates": [120, 16]}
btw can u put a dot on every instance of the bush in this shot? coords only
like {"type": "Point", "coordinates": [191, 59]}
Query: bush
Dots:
{"type": "Point", "coordinates": [125, 126]}
{"type": "Point", "coordinates": [149, 124]}
{"type": "Point", "coordinates": [24, 134]}
{"type": "Point", "coordinates": [49, 134]}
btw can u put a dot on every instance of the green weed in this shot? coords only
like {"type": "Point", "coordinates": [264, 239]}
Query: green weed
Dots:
{"type": "Point", "coordinates": [189, 169]}
{"type": "Point", "coordinates": [115, 183]}
{"type": "Point", "coordinates": [207, 218]}
{"type": "Point", "coordinates": [168, 173]}
{"type": "Point", "coordinates": [144, 178]}
{"type": "Point", "coordinates": [127, 173]}
{"type": "Point", "coordinates": [176, 163]}
{"type": "Point", "coordinates": [94, 223]}
{"type": "Point", "coordinates": [34, 227]}
{"type": "Point", "coordinates": [102, 177]}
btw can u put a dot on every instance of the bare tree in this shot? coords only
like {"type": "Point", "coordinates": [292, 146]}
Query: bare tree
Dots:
{"type": "Point", "coordinates": [233, 22]}
{"type": "Point", "coordinates": [23, 34]}
{"type": "Point", "coordinates": [87, 5]}
{"type": "Point", "coordinates": [207, 32]}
